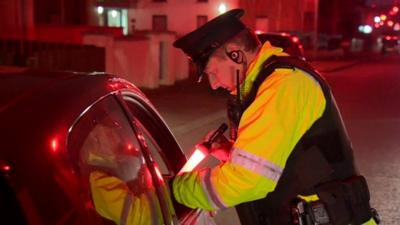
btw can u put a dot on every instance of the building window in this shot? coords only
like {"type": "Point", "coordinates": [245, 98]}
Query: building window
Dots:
{"type": "Point", "coordinates": [201, 20]}
{"type": "Point", "coordinates": [160, 23]}
{"type": "Point", "coordinates": [113, 17]}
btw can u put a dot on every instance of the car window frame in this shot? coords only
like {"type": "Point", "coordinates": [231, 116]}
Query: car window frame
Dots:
{"type": "Point", "coordinates": [166, 212]}
{"type": "Point", "coordinates": [157, 127]}
{"type": "Point", "coordinates": [185, 215]}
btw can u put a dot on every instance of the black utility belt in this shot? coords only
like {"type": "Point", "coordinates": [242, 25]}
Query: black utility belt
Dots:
{"type": "Point", "coordinates": [341, 202]}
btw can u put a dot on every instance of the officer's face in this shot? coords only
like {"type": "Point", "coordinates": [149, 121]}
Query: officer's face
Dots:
{"type": "Point", "coordinates": [221, 71]}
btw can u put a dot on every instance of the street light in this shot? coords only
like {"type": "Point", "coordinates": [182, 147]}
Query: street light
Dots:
{"type": "Point", "coordinates": [222, 8]}
{"type": "Point", "coordinates": [100, 10]}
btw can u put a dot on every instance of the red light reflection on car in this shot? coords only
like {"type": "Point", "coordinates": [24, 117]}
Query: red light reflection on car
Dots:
{"type": "Point", "coordinates": [54, 145]}
{"type": "Point", "coordinates": [129, 146]}
{"type": "Point", "coordinates": [6, 168]}
{"type": "Point", "coordinates": [159, 175]}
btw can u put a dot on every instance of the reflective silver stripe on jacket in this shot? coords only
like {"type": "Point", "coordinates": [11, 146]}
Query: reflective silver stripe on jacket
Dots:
{"type": "Point", "coordinates": [256, 164]}
{"type": "Point", "coordinates": [212, 196]}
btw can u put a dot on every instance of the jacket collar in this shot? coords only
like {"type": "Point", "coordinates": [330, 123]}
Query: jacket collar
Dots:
{"type": "Point", "coordinates": [266, 51]}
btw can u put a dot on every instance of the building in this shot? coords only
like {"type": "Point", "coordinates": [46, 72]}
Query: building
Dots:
{"type": "Point", "coordinates": [137, 35]}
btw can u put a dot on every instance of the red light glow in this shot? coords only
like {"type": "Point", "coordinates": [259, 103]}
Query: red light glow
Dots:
{"type": "Point", "coordinates": [194, 160]}
{"type": "Point", "coordinates": [390, 23]}
{"type": "Point", "coordinates": [54, 145]}
{"type": "Point", "coordinates": [295, 39]}
{"type": "Point", "coordinates": [6, 168]}
{"type": "Point", "coordinates": [383, 17]}
{"type": "Point", "coordinates": [388, 38]}
{"type": "Point", "coordinates": [285, 34]}
{"type": "Point", "coordinates": [395, 9]}
{"type": "Point", "coordinates": [258, 32]}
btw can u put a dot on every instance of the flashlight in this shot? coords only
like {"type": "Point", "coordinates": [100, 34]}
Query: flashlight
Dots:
{"type": "Point", "coordinates": [202, 150]}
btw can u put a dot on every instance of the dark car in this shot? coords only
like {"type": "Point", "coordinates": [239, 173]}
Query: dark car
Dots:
{"type": "Point", "coordinates": [288, 42]}
{"type": "Point", "coordinates": [59, 129]}
{"type": "Point", "coordinates": [390, 43]}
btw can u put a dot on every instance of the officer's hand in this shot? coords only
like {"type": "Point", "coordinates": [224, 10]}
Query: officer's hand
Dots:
{"type": "Point", "coordinates": [220, 148]}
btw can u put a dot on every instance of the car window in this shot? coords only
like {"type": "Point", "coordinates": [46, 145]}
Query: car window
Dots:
{"type": "Point", "coordinates": [155, 151]}
{"type": "Point", "coordinates": [157, 136]}
{"type": "Point", "coordinates": [164, 150]}
{"type": "Point", "coordinates": [119, 182]}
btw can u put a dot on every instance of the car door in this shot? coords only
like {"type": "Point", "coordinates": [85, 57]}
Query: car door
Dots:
{"type": "Point", "coordinates": [164, 151]}
{"type": "Point", "coordinates": [119, 181]}
{"type": "Point", "coordinates": [121, 144]}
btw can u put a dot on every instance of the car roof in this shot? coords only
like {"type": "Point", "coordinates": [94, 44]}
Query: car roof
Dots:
{"type": "Point", "coordinates": [38, 106]}
{"type": "Point", "coordinates": [15, 87]}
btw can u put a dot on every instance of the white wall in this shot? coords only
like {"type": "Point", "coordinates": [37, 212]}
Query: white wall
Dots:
{"type": "Point", "coordinates": [181, 14]}
{"type": "Point", "coordinates": [138, 59]}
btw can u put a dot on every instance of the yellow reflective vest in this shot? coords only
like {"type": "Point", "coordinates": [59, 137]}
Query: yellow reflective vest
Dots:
{"type": "Point", "coordinates": [287, 104]}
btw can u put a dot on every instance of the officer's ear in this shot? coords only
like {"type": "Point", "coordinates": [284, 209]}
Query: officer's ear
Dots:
{"type": "Point", "coordinates": [236, 55]}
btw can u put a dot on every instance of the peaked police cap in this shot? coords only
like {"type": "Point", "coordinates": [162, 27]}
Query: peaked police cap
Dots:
{"type": "Point", "coordinates": [199, 44]}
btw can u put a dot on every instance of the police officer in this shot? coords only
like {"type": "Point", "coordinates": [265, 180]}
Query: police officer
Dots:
{"type": "Point", "coordinates": [291, 144]}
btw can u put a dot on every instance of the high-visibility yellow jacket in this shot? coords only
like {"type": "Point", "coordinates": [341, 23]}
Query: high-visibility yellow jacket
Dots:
{"type": "Point", "coordinates": [287, 104]}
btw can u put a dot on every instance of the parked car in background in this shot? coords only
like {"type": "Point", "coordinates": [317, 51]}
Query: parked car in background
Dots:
{"type": "Point", "coordinates": [290, 43]}
{"type": "Point", "coordinates": [60, 130]}
{"type": "Point", "coordinates": [390, 43]}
